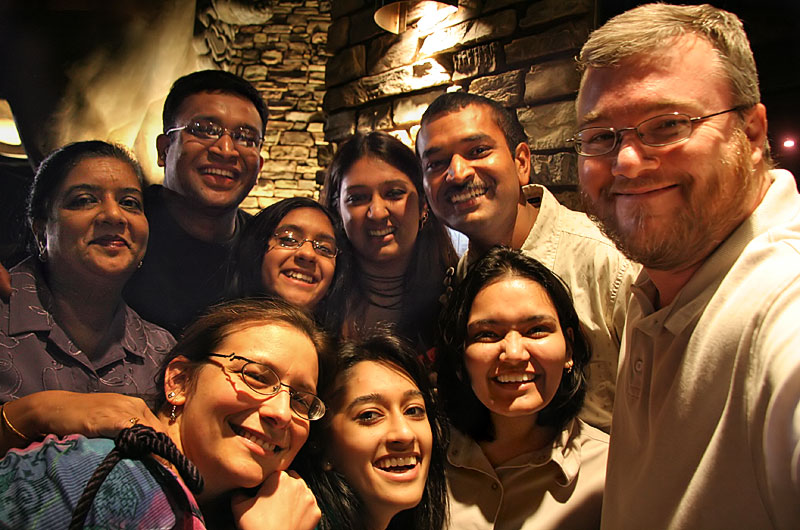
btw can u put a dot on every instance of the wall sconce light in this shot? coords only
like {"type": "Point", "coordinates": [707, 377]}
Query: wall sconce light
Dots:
{"type": "Point", "coordinates": [397, 16]}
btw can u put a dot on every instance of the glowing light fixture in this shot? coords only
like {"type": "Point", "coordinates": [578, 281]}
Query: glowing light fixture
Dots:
{"type": "Point", "coordinates": [789, 143]}
{"type": "Point", "coordinates": [398, 16]}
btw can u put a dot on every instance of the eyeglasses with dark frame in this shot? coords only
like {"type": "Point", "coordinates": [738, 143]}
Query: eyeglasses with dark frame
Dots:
{"type": "Point", "coordinates": [209, 130]}
{"type": "Point", "coordinates": [263, 380]}
{"type": "Point", "coordinates": [287, 239]}
{"type": "Point", "coordinates": [658, 131]}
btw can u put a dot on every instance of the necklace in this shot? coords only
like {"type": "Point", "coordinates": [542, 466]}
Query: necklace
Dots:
{"type": "Point", "coordinates": [385, 292]}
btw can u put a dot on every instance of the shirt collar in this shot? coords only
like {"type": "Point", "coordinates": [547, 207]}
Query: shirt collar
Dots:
{"type": "Point", "coordinates": [565, 453]}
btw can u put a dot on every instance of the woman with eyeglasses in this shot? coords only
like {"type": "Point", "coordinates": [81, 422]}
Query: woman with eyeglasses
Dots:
{"type": "Point", "coordinates": [376, 461]}
{"type": "Point", "coordinates": [289, 250]}
{"type": "Point", "coordinates": [401, 253]}
{"type": "Point", "coordinates": [237, 395]}
{"type": "Point", "coordinates": [511, 365]}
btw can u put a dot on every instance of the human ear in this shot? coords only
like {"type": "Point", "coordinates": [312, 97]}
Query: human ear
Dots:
{"type": "Point", "coordinates": [176, 379]}
{"type": "Point", "coordinates": [755, 128]}
{"type": "Point", "coordinates": [162, 144]}
{"type": "Point", "coordinates": [522, 162]}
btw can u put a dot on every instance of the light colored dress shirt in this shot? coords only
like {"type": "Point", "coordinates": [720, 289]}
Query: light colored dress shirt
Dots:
{"type": "Point", "coordinates": [706, 428]}
{"type": "Point", "coordinates": [557, 487]}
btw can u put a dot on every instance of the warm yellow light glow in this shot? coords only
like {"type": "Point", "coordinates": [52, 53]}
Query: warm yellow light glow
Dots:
{"type": "Point", "coordinates": [425, 15]}
{"type": "Point", "coordinates": [789, 143]}
{"type": "Point", "coordinates": [8, 132]}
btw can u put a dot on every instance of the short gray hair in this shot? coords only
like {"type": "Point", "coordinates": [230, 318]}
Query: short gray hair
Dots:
{"type": "Point", "coordinates": [644, 29]}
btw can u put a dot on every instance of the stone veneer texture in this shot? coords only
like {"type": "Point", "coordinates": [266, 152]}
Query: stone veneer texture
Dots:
{"type": "Point", "coordinates": [520, 53]}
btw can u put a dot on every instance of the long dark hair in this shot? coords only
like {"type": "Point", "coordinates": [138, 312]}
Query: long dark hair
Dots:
{"type": "Point", "coordinates": [433, 251]}
{"type": "Point", "coordinates": [248, 255]}
{"type": "Point", "coordinates": [464, 409]}
{"type": "Point", "coordinates": [340, 505]}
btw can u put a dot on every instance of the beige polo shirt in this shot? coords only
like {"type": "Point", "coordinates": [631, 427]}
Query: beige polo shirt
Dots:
{"type": "Point", "coordinates": [706, 428]}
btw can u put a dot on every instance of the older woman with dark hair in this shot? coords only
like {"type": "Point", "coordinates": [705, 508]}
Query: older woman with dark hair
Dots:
{"type": "Point", "coordinates": [376, 461]}
{"type": "Point", "coordinates": [511, 370]}
{"type": "Point", "coordinates": [289, 250]}
{"type": "Point", "coordinates": [65, 326]}
{"type": "Point", "coordinates": [401, 253]}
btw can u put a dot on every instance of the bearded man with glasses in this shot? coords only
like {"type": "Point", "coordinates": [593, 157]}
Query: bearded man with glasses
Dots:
{"type": "Point", "coordinates": [210, 150]}
{"type": "Point", "coordinates": [674, 161]}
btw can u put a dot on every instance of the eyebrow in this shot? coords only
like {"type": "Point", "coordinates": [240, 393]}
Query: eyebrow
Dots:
{"type": "Point", "coordinates": [533, 319]}
{"type": "Point", "coordinates": [299, 385]}
{"type": "Point", "coordinates": [594, 116]}
{"type": "Point", "coordinates": [95, 188]}
{"type": "Point", "coordinates": [478, 137]}
{"type": "Point", "coordinates": [216, 121]}
{"type": "Point", "coordinates": [320, 235]}
{"type": "Point", "coordinates": [379, 398]}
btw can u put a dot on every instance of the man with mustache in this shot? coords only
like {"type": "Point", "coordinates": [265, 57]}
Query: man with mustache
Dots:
{"type": "Point", "coordinates": [476, 166]}
{"type": "Point", "coordinates": [210, 149]}
{"type": "Point", "coordinates": [674, 159]}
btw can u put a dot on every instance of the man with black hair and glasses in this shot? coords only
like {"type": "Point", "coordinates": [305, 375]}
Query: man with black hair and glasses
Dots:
{"type": "Point", "coordinates": [210, 149]}
{"type": "Point", "coordinates": [675, 163]}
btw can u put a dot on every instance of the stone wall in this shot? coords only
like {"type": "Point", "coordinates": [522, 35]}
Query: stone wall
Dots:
{"type": "Point", "coordinates": [280, 47]}
{"type": "Point", "coordinates": [520, 53]}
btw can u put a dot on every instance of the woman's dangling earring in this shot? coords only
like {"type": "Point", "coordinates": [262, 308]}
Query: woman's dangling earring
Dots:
{"type": "Point", "coordinates": [42, 250]}
{"type": "Point", "coordinates": [172, 415]}
{"type": "Point", "coordinates": [423, 218]}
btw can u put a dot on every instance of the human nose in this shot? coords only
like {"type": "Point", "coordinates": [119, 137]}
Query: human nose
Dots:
{"type": "Point", "coordinates": [632, 157]}
{"type": "Point", "coordinates": [224, 146]}
{"type": "Point", "coordinates": [459, 169]}
{"type": "Point", "coordinates": [514, 349]}
{"type": "Point", "coordinates": [111, 212]}
{"type": "Point", "coordinates": [277, 409]}
{"type": "Point", "coordinates": [400, 432]}
{"type": "Point", "coordinates": [377, 209]}
{"type": "Point", "coordinates": [306, 252]}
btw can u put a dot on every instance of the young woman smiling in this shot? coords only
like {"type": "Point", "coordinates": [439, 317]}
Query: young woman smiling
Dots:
{"type": "Point", "coordinates": [237, 396]}
{"type": "Point", "coordinates": [289, 250]}
{"type": "Point", "coordinates": [511, 370]}
{"type": "Point", "coordinates": [401, 253]}
{"type": "Point", "coordinates": [377, 461]}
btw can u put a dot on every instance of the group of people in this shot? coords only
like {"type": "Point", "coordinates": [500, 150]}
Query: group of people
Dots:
{"type": "Point", "coordinates": [338, 366]}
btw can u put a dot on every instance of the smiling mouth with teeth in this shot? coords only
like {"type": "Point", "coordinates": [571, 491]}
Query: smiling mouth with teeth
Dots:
{"type": "Point", "coordinates": [300, 276]}
{"type": "Point", "coordinates": [218, 172]}
{"type": "Point", "coordinates": [397, 464]}
{"type": "Point", "coordinates": [467, 194]}
{"type": "Point", "coordinates": [266, 446]}
{"type": "Point", "coordinates": [515, 378]}
{"type": "Point", "coordinates": [380, 233]}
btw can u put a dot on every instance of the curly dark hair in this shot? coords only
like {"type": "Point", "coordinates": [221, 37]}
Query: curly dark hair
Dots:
{"type": "Point", "coordinates": [463, 408]}
{"type": "Point", "coordinates": [340, 505]}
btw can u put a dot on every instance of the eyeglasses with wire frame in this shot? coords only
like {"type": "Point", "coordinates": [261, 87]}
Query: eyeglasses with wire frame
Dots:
{"type": "Point", "coordinates": [658, 131]}
{"type": "Point", "coordinates": [263, 380]}
{"type": "Point", "coordinates": [209, 130]}
{"type": "Point", "coordinates": [293, 240]}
